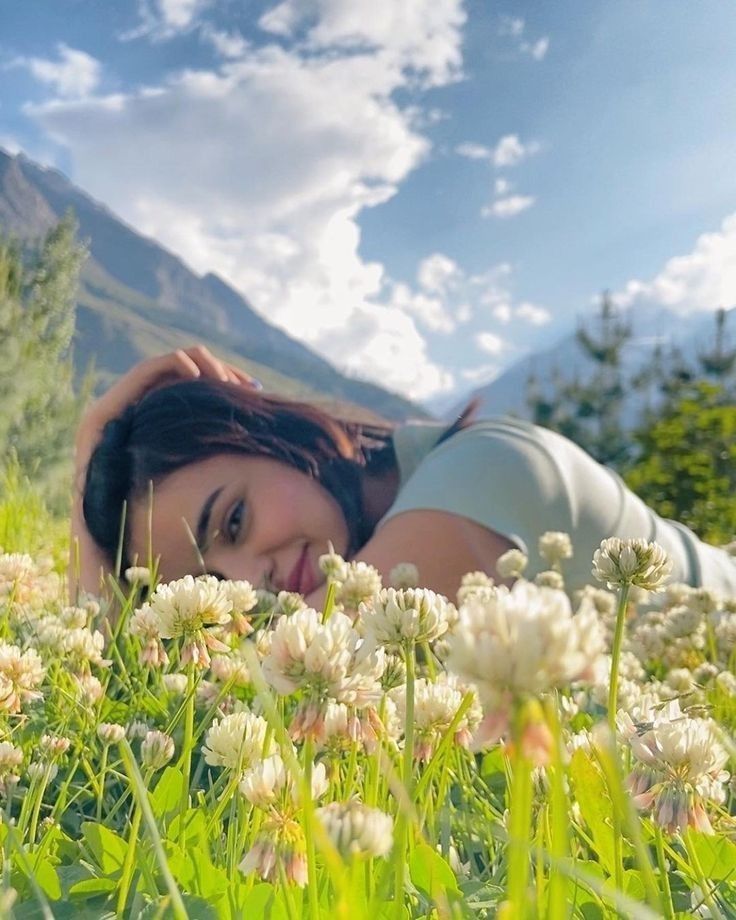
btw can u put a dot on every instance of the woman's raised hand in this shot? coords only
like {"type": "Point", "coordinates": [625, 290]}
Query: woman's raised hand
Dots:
{"type": "Point", "coordinates": [183, 364]}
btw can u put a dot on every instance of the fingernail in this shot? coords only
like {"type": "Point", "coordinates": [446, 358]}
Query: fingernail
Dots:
{"type": "Point", "coordinates": [256, 384]}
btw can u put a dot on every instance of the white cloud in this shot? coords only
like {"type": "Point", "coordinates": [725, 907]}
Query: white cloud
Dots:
{"type": "Point", "coordinates": [74, 75]}
{"type": "Point", "coordinates": [436, 272]}
{"type": "Point", "coordinates": [537, 49]}
{"type": "Point", "coordinates": [536, 315]}
{"type": "Point", "coordinates": [511, 25]}
{"type": "Point", "coordinates": [226, 44]}
{"type": "Point", "coordinates": [508, 207]}
{"type": "Point", "coordinates": [514, 27]}
{"type": "Point", "coordinates": [159, 20]}
{"type": "Point", "coordinates": [474, 151]}
{"type": "Point", "coordinates": [502, 312]}
{"type": "Point", "coordinates": [9, 144]}
{"type": "Point", "coordinates": [510, 151]}
{"type": "Point", "coordinates": [259, 171]}
{"type": "Point", "coordinates": [701, 280]}
{"type": "Point", "coordinates": [490, 343]}
{"type": "Point", "coordinates": [502, 186]}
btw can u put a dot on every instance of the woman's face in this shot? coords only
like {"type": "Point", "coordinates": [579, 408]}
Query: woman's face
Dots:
{"type": "Point", "coordinates": [247, 517]}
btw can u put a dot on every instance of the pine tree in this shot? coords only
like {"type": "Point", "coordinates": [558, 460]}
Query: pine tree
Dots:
{"type": "Point", "coordinates": [38, 404]}
{"type": "Point", "coordinates": [589, 411]}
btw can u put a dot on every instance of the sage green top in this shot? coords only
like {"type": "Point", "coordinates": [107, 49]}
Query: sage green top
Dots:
{"type": "Point", "coordinates": [521, 480]}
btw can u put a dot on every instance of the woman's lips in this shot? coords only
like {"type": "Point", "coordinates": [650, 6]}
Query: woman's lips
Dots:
{"type": "Point", "coordinates": [301, 578]}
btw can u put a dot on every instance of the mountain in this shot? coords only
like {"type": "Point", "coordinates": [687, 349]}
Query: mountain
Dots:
{"type": "Point", "coordinates": [137, 299]}
{"type": "Point", "coordinates": [652, 326]}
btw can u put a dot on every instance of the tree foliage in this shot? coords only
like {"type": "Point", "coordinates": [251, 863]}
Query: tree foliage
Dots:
{"type": "Point", "coordinates": [680, 456]}
{"type": "Point", "coordinates": [686, 465]}
{"type": "Point", "coordinates": [38, 403]}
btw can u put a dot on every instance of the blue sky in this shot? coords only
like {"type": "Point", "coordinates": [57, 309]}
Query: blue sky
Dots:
{"type": "Point", "coordinates": [422, 193]}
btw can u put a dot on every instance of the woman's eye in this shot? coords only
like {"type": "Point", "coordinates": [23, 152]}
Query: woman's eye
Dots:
{"type": "Point", "coordinates": [234, 522]}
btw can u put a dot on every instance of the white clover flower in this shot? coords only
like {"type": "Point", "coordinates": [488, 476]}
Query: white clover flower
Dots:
{"type": "Point", "coordinates": [404, 575]}
{"type": "Point", "coordinates": [329, 659]}
{"type": "Point", "coordinates": [237, 740]}
{"type": "Point", "coordinates": [144, 624]}
{"type": "Point", "coordinates": [359, 583]}
{"type": "Point", "coordinates": [523, 642]}
{"type": "Point", "coordinates": [680, 764]}
{"type": "Point", "coordinates": [681, 621]}
{"type": "Point", "coordinates": [279, 847]}
{"type": "Point", "coordinates": [20, 674]}
{"type": "Point", "coordinates": [110, 732]}
{"type": "Point", "coordinates": [157, 749]}
{"type": "Point", "coordinates": [604, 602]}
{"type": "Point", "coordinates": [472, 583]}
{"type": "Point", "coordinates": [269, 783]}
{"type": "Point", "coordinates": [11, 757]}
{"type": "Point", "coordinates": [176, 684]}
{"type": "Point", "coordinates": [357, 830]}
{"type": "Point", "coordinates": [137, 729]}
{"type": "Point", "coordinates": [39, 770]}
{"type": "Point", "coordinates": [676, 593]}
{"type": "Point", "coordinates": [227, 668]}
{"type": "Point", "coordinates": [435, 706]}
{"type": "Point", "coordinates": [634, 562]}
{"type": "Point", "coordinates": [394, 618]}
{"type": "Point", "coordinates": [511, 564]}
{"type": "Point", "coordinates": [185, 608]}
{"type": "Point", "coordinates": [554, 546]}
{"type": "Point", "coordinates": [705, 673]}
{"type": "Point", "coordinates": [726, 682]}
{"type": "Point", "coordinates": [288, 602]}
{"type": "Point", "coordinates": [243, 598]}
{"type": "Point", "coordinates": [88, 688]}
{"type": "Point", "coordinates": [73, 617]}
{"type": "Point", "coordinates": [17, 574]}
{"type": "Point", "coordinates": [703, 601]}
{"type": "Point", "coordinates": [54, 745]}
{"type": "Point", "coordinates": [332, 565]}
{"type": "Point", "coordinates": [85, 647]}
{"type": "Point", "coordinates": [138, 575]}
{"type": "Point", "coordinates": [681, 680]}
{"type": "Point", "coordinates": [549, 578]}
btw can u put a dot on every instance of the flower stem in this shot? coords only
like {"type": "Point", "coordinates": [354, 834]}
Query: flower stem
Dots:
{"type": "Point", "coordinates": [616, 656]}
{"type": "Point", "coordinates": [668, 911]}
{"type": "Point", "coordinates": [129, 860]}
{"type": "Point", "coordinates": [101, 790]}
{"type": "Point", "coordinates": [402, 820]}
{"type": "Point", "coordinates": [186, 750]}
{"type": "Point", "coordinates": [309, 830]}
{"type": "Point", "coordinates": [520, 814]}
{"type": "Point", "coordinates": [141, 796]}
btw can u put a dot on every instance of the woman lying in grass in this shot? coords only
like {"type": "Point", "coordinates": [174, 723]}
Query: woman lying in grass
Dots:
{"type": "Point", "coordinates": [220, 478]}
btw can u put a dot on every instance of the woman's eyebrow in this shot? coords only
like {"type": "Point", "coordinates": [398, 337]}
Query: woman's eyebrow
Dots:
{"type": "Point", "coordinates": [203, 522]}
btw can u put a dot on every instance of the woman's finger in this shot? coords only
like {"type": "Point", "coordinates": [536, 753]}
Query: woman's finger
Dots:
{"type": "Point", "coordinates": [207, 362]}
{"type": "Point", "coordinates": [246, 379]}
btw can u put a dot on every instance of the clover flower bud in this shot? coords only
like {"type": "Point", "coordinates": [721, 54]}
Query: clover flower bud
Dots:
{"type": "Point", "coordinates": [110, 732]}
{"type": "Point", "coordinates": [332, 565]}
{"type": "Point", "coordinates": [39, 770]}
{"type": "Point", "coordinates": [554, 546]}
{"type": "Point", "coordinates": [357, 830]}
{"type": "Point", "coordinates": [549, 578]}
{"type": "Point", "coordinates": [54, 745]}
{"type": "Point", "coordinates": [474, 583]}
{"type": "Point", "coordinates": [157, 749]}
{"type": "Point", "coordinates": [511, 564]}
{"type": "Point", "coordinates": [138, 575]}
{"type": "Point", "coordinates": [137, 729]}
{"type": "Point", "coordinates": [176, 684]}
{"type": "Point", "coordinates": [404, 575]}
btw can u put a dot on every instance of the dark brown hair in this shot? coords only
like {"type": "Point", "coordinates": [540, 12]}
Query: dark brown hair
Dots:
{"type": "Point", "coordinates": [189, 421]}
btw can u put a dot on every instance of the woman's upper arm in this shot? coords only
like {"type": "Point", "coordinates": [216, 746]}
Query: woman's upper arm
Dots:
{"type": "Point", "coordinates": [442, 545]}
